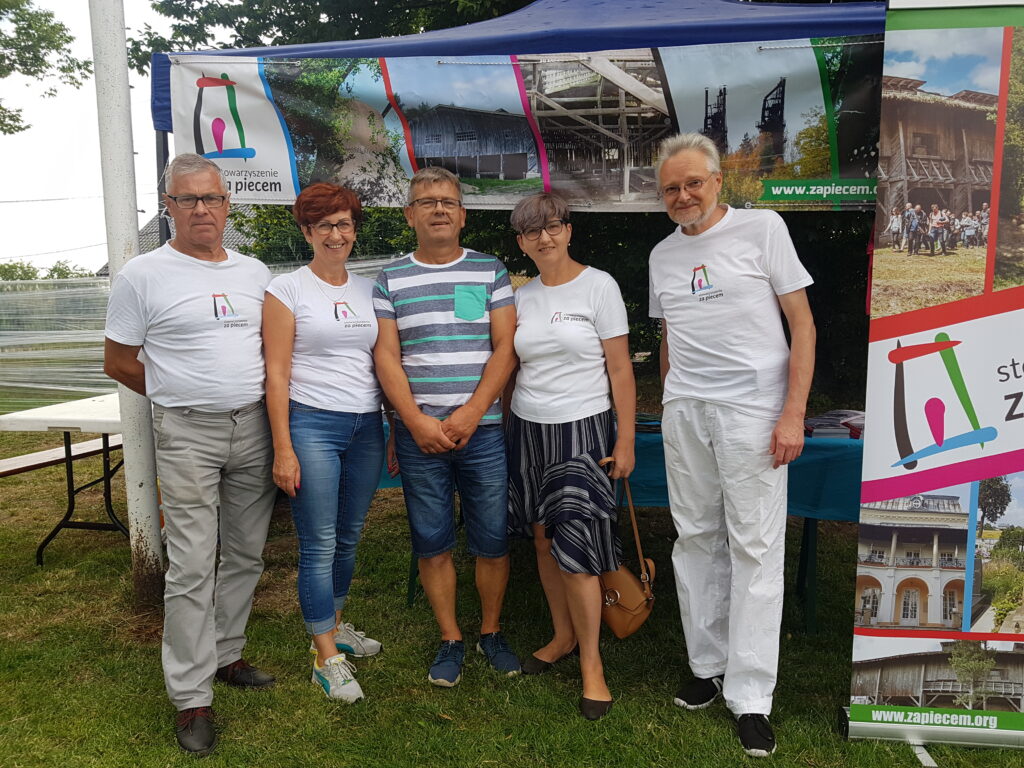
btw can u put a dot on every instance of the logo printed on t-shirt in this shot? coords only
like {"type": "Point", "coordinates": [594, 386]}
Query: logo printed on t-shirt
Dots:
{"type": "Point", "coordinates": [344, 313]}
{"type": "Point", "coordinates": [568, 317]}
{"type": "Point", "coordinates": [700, 284]}
{"type": "Point", "coordinates": [222, 310]}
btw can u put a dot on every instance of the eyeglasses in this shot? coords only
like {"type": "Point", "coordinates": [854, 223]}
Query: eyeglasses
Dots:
{"type": "Point", "coordinates": [187, 202]}
{"type": "Point", "coordinates": [553, 228]}
{"type": "Point", "coordinates": [345, 227]}
{"type": "Point", "coordinates": [429, 203]}
{"type": "Point", "coordinates": [692, 187]}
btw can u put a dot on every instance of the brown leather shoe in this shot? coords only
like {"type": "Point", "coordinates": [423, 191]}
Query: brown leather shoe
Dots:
{"type": "Point", "coordinates": [194, 730]}
{"type": "Point", "coordinates": [242, 674]}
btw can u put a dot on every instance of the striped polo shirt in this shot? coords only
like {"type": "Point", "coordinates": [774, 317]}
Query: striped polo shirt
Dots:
{"type": "Point", "coordinates": [443, 313]}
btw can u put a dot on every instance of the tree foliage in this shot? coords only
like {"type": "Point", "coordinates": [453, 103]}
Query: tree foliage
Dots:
{"type": "Point", "coordinates": [972, 662]}
{"type": "Point", "coordinates": [1011, 193]}
{"type": "Point", "coordinates": [993, 499]}
{"type": "Point", "coordinates": [252, 23]}
{"type": "Point", "coordinates": [34, 44]}
{"type": "Point", "coordinates": [23, 270]}
{"type": "Point", "coordinates": [18, 270]}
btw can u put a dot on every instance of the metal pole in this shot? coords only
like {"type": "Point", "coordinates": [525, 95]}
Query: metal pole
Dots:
{"type": "Point", "coordinates": [162, 158]}
{"type": "Point", "coordinates": [117, 164]}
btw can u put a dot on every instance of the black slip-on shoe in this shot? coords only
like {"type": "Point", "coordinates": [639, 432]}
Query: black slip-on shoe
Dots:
{"type": "Point", "coordinates": [756, 735]}
{"type": "Point", "coordinates": [699, 693]}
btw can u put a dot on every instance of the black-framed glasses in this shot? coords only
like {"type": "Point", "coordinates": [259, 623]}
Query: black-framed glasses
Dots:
{"type": "Point", "coordinates": [692, 187]}
{"type": "Point", "coordinates": [430, 203]}
{"type": "Point", "coordinates": [345, 227]}
{"type": "Point", "coordinates": [553, 228]}
{"type": "Point", "coordinates": [187, 202]}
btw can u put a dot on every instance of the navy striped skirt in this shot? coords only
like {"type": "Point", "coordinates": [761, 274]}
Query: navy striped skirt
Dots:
{"type": "Point", "coordinates": [555, 481]}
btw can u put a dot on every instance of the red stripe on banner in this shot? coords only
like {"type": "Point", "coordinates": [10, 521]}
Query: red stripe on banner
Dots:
{"type": "Point", "coordinates": [401, 117]}
{"type": "Point", "coordinates": [542, 152]}
{"type": "Point", "coordinates": [926, 319]}
{"type": "Point", "coordinates": [942, 477]}
{"type": "Point", "coordinates": [997, 161]}
{"type": "Point", "coordinates": [902, 354]}
{"type": "Point", "coordinates": [935, 634]}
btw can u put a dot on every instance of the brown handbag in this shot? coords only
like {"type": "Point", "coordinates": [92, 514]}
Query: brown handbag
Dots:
{"type": "Point", "coordinates": [627, 601]}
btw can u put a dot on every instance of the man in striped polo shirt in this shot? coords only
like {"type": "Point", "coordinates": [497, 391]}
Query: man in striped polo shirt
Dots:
{"type": "Point", "coordinates": [444, 352]}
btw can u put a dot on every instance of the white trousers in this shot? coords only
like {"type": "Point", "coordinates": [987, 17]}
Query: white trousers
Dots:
{"type": "Point", "coordinates": [729, 510]}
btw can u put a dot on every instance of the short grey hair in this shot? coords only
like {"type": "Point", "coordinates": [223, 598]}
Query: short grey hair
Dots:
{"type": "Point", "coordinates": [434, 174]}
{"type": "Point", "coordinates": [681, 142]}
{"type": "Point", "coordinates": [188, 163]}
{"type": "Point", "coordinates": [537, 210]}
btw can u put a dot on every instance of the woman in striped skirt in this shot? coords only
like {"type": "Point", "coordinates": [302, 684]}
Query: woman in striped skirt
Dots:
{"type": "Point", "coordinates": [571, 339]}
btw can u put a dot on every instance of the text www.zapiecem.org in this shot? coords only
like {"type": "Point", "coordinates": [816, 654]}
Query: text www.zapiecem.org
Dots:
{"type": "Point", "coordinates": [934, 718]}
{"type": "Point", "coordinates": [818, 190]}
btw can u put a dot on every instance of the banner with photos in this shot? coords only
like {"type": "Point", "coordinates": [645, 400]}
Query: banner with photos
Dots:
{"type": "Point", "coordinates": [938, 652]}
{"type": "Point", "coordinates": [796, 122]}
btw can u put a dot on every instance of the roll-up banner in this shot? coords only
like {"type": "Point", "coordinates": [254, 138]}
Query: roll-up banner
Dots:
{"type": "Point", "coordinates": [796, 122]}
{"type": "Point", "coordinates": [938, 652]}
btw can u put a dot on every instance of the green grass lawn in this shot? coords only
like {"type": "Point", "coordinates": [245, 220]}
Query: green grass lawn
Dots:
{"type": "Point", "coordinates": [901, 282]}
{"type": "Point", "coordinates": [80, 681]}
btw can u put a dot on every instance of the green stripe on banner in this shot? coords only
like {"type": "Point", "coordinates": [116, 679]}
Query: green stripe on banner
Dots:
{"type": "Point", "coordinates": [425, 339]}
{"type": "Point", "coordinates": [440, 379]}
{"type": "Point", "coordinates": [818, 189]}
{"type": "Point", "coordinates": [424, 298]}
{"type": "Point", "coordinates": [954, 18]}
{"type": "Point", "coordinates": [830, 109]}
{"type": "Point", "coordinates": [986, 720]}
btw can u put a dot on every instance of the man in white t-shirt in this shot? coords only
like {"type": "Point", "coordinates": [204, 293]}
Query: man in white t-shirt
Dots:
{"type": "Point", "coordinates": [734, 402]}
{"type": "Point", "coordinates": [194, 310]}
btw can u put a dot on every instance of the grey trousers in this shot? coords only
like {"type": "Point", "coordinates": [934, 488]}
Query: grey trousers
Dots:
{"type": "Point", "coordinates": [206, 462]}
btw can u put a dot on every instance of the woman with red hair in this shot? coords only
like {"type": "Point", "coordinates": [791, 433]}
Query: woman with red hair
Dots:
{"type": "Point", "coordinates": [324, 405]}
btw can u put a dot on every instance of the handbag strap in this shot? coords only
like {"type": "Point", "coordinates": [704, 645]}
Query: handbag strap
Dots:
{"type": "Point", "coordinates": [645, 577]}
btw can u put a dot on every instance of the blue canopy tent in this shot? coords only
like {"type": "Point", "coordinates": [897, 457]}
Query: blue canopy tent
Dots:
{"type": "Point", "coordinates": [556, 26]}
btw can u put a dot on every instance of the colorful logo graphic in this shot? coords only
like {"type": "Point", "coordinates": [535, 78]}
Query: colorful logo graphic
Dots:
{"type": "Point", "coordinates": [934, 407]}
{"type": "Point", "coordinates": [556, 318]}
{"type": "Point", "coordinates": [700, 281]}
{"type": "Point", "coordinates": [222, 307]}
{"type": "Point", "coordinates": [343, 311]}
{"type": "Point", "coordinates": [218, 126]}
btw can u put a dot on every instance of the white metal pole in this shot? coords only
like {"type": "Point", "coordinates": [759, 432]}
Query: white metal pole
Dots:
{"type": "Point", "coordinates": [110, 55]}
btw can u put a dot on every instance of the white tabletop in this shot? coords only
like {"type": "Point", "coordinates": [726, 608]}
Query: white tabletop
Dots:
{"type": "Point", "coordinates": [94, 414]}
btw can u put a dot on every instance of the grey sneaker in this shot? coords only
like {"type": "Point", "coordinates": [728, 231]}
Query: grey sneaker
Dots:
{"type": "Point", "coordinates": [499, 654]}
{"type": "Point", "coordinates": [350, 641]}
{"type": "Point", "coordinates": [337, 678]}
{"type": "Point", "coordinates": [446, 671]}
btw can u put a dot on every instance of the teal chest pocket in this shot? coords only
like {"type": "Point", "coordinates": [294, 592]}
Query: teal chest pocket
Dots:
{"type": "Point", "coordinates": [470, 301]}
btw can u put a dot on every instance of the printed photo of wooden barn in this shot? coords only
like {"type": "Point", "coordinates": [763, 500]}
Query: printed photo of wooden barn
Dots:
{"type": "Point", "coordinates": [934, 148]}
{"type": "Point", "coordinates": [475, 143]}
{"type": "Point", "coordinates": [966, 674]}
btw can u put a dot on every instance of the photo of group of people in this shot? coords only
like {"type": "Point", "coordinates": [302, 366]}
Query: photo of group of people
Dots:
{"type": "Point", "coordinates": [918, 232]}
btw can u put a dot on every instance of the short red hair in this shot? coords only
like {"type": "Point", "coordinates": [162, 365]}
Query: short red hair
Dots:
{"type": "Point", "coordinates": [320, 200]}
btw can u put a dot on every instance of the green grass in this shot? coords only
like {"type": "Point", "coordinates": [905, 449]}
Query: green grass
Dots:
{"type": "Point", "coordinates": [503, 186]}
{"type": "Point", "coordinates": [80, 681]}
{"type": "Point", "coordinates": [901, 282]}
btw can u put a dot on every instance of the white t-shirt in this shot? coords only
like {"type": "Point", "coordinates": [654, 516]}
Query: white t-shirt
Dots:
{"type": "Point", "coordinates": [198, 323]}
{"type": "Point", "coordinates": [335, 330]}
{"type": "Point", "coordinates": [717, 292]}
{"type": "Point", "coordinates": [562, 375]}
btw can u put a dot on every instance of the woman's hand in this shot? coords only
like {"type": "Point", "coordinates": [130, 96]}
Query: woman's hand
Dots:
{"type": "Point", "coordinates": [286, 472]}
{"type": "Point", "coordinates": [392, 457]}
{"type": "Point", "coordinates": [623, 460]}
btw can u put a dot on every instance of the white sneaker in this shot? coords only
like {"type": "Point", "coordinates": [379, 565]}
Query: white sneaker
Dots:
{"type": "Point", "coordinates": [337, 678]}
{"type": "Point", "coordinates": [354, 643]}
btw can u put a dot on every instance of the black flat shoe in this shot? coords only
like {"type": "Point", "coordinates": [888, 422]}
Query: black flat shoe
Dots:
{"type": "Point", "coordinates": [592, 709]}
{"type": "Point", "coordinates": [534, 666]}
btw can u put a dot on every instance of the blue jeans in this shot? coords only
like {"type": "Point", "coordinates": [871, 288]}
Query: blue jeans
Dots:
{"type": "Point", "coordinates": [340, 458]}
{"type": "Point", "coordinates": [429, 481]}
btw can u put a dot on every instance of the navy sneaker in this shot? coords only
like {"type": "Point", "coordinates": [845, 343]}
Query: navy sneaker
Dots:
{"type": "Point", "coordinates": [446, 671]}
{"type": "Point", "coordinates": [499, 654]}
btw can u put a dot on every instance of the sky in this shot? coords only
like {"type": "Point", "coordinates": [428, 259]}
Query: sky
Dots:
{"type": "Point", "coordinates": [947, 60]}
{"type": "Point", "coordinates": [51, 204]}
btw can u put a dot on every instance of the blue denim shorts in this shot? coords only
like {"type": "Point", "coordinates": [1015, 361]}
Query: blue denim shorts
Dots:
{"type": "Point", "coordinates": [429, 482]}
